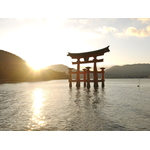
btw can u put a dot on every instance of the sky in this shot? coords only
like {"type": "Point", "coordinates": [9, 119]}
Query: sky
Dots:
{"type": "Point", "coordinates": [46, 41]}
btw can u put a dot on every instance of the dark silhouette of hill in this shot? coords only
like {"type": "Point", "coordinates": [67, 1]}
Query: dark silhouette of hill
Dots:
{"type": "Point", "coordinates": [12, 67]}
{"type": "Point", "coordinates": [9, 58]}
{"type": "Point", "coordinates": [15, 69]}
{"type": "Point", "coordinates": [62, 68]}
{"type": "Point", "coordinates": [128, 71]}
{"type": "Point", "coordinates": [59, 67]}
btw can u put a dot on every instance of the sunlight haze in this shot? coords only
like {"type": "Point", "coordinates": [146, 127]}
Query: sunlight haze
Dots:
{"type": "Point", "coordinates": [47, 41]}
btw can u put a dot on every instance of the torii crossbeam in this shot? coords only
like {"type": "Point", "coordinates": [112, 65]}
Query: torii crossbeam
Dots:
{"type": "Point", "coordinates": [86, 56]}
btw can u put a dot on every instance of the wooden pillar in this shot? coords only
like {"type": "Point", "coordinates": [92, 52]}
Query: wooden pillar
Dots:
{"type": "Point", "coordinates": [95, 74]}
{"type": "Point", "coordinates": [84, 77]}
{"type": "Point", "coordinates": [78, 73]}
{"type": "Point", "coordinates": [103, 78]}
{"type": "Point", "coordinates": [88, 77]}
{"type": "Point", "coordinates": [70, 77]}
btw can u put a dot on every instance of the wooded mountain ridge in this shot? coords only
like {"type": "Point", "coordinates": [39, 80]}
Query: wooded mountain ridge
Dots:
{"type": "Point", "coordinates": [125, 71]}
{"type": "Point", "coordinates": [14, 68]}
{"type": "Point", "coordinates": [129, 71]}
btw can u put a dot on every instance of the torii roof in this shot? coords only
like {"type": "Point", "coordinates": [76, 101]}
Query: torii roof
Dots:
{"type": "Point", "coordinates": [90, 53]}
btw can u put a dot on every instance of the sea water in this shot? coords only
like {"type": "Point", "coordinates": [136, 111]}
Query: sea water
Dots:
{"type": "Point", "coordinates": [52, 106]}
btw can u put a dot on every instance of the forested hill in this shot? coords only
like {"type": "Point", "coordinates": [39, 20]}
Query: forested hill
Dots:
{"type": "Point", "coordinates": [12, 67]}
{"type": "Point", "coordinates": [59, 67]}
{"type": "Point", "coordinates": [15, 69]}
{"type": "Point", "coordinates": [128, 71]}
{"type": "Point", "coordinates": [9, 58]}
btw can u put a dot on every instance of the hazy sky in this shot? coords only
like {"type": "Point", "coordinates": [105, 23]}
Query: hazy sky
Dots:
{"type": "Point", "coordinates": [50, 39]}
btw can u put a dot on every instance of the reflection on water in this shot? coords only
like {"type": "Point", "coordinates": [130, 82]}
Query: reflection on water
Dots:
{"type": "Point", "coordinates": [51, 105]}
{"type": "Point", "coordinates": [37, 119]}
{"type": "Point", "coordinates": [85, 113]}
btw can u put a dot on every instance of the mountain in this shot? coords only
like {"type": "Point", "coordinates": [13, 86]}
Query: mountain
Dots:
{"type": "Point", "coordinates": [64, 69]}
{"type": "Point", "coordinates": [59, 67]}
{"type": "Point", "coordinates": [12, 67]}
{"type": "Point", "coordinates": [9, 58]}
{"type": "Point", "coordinates": [128, 71]}
{"type": "Point", "coordinates": [15, 69]}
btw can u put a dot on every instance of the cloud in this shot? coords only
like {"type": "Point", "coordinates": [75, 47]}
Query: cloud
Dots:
{"type": "Point", "coordinates": [87, 24]}
{"type": "Point", "coordinates": [104, 30]}
{"type": "Point", "coordinates": [116, 27]}
{"type": "Point", "coordinates": [144, 20]}
{"type": "Point", "coordinates": [132, 31]}
{"type": "Point", "coordinates": [99, 26]}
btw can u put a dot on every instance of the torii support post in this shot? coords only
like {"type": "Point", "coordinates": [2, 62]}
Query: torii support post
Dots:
{"type": "Point", "coordinates": [70, 77]}
{"type": "Point", "coordinates": [103, 78]}
{"type": "Point", "coordinates": [78, 73]}
{"type": "Point", "coordinates": [95, 73]}
{"type": "Point", "coordinates": [84, 77]}
{"type": "Point", "coordinates": [88, 77]}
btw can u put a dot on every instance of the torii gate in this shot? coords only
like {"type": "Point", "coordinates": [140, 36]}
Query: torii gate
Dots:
{"type": "Point", "coordinates": [86, 72]}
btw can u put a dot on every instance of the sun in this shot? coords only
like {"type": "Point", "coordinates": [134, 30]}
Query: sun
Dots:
{"type": "Point", "coordinates": [37, 65]}
{"type": "Point", "coordinates": [40, 61]}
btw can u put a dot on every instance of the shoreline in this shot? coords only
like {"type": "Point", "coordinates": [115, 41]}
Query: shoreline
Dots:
{"type": "Point", "coordinates": [20, 81]}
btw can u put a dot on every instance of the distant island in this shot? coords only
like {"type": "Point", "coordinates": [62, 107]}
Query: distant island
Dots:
{"type": "Point", "coordinates": [129, 71]}
{"type": "Point", "coordinates": [15, 69]}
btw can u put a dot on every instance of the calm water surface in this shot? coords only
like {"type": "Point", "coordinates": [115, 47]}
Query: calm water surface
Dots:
{"type": "Point", "coordinates": [52, 106]}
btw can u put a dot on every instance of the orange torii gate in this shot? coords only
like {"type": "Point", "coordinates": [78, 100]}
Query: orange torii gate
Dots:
{"type": "Point", "coordinates": [86, 72]}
